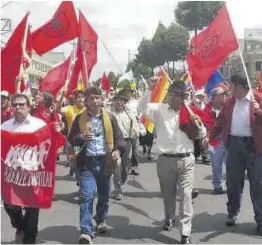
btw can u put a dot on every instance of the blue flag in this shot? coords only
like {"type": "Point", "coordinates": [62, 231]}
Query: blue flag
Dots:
{"type": "Point", "coordinates": [213, 81]}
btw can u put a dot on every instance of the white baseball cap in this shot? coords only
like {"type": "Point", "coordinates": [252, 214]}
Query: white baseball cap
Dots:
{"type": "Point", "coordinates": [5, 94]}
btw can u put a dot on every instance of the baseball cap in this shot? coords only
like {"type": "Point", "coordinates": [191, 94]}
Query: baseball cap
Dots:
{"type": "Point", "coordinates": [4, 94]}
{"type": "Point", "coordinates": [218, 91]}
{"type": "Point", "coordinates": [200, 92]}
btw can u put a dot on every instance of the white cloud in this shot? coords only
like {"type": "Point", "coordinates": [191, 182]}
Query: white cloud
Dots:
{"type": "Point", "coordinates": [121, 24]}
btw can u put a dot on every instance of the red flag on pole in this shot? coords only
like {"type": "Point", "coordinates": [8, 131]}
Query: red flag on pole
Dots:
{"type": "Point", "coordinates": [61, 28]}
{"type": "Point", "coordinates": [210, 47]}
{"type": "Point", "coordinates": [72, 85]}
{"type": "Point", "coordinates": [13, 56]}
{"type": "Point", "coordinates": [88, 38]}
{"type": "Point", "coordinates": [27, 58]}
{"type": "Point", "coordinates": [28, 163]}
{"type": "Point", "coordinates": [105, 83]}
{"type": "Point", "coordinates": [260, 82]}
{"type": "Point", "coordinates": [56, 78]}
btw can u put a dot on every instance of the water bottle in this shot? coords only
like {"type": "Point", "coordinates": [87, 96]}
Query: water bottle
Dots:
{"type": "Point", "coordinates": [211, 149]}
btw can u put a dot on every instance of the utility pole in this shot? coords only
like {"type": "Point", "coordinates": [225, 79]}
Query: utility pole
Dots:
{"type": "Point", "coordinates": [129, 56]}
{"type": "Point", "coordinates": [6, 25]}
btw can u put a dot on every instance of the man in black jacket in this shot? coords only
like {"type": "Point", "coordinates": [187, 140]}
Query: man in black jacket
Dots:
{"type": "Point", "coordinates": [98, 144]}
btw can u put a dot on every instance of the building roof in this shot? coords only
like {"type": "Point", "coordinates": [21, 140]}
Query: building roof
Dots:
{"type": "Point", "coordinates": [51, 57]}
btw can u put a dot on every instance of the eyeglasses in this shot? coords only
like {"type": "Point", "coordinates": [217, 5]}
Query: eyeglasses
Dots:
{"type": "Point", "coordinates": [18, 104]}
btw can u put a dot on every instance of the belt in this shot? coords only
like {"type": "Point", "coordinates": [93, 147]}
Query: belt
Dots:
{"type": "Point", "coordinates": [93, 158]}
{"type": "Point", "coordinates": [242, 138]}
{"type": "Point", "coordinates": [178, 155]}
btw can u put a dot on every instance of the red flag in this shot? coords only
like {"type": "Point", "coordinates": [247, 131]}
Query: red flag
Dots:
{"type": "Point", "coordinates": [185, 116]}
{"type": "Point", "coordinates": [260, 82]}
{"type": "Point", "coordinates": [27, 58]}
{"type": "Point", "coordinates": [28, 164]}
{"type": "Point", "coordinates": [210, 47]}
{"type": "Point", "coordinates": [72, 85]}
{"type": "Point", "coordinates": [13, 56]}
{"type": "Point", "coordinates": [88, 38]}
{"type": "Point", "coordinates": [105, 83]}
{"type": "Point", "coordinates": [61, 28]}
{"type": "Point", "coordinates": [55, 78]}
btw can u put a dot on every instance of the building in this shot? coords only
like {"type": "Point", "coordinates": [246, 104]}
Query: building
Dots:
{"type": "Point", "coordinates": [251, 49]}
{"type": "Point", "coordinates": [40, 65]}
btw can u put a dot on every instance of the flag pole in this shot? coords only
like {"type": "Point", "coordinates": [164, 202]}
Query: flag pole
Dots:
{"type": "Point", "coordinates": [191, 113]}
{"type": "Point", "coordinates": [245, 70]}
{"type": "Point", "coordinates": [18, 81]}
{"type": "Point", "coordinates": [84, 56]}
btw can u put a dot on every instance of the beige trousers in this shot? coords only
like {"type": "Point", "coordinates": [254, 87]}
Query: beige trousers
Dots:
{"type": "Point", "coordinates": [176, 176]}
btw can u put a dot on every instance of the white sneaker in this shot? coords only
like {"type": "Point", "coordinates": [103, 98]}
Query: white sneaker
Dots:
{"type": "Point", "coordinates": [85, 239]}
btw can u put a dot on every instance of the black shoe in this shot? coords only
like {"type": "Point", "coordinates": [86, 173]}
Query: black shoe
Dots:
{"type": "Point", "coordinates": [206, 161]}
{"type": "Point", "coordinates": [149, 157]}
{"type": "Point", "coordinates": [134, 171]}
{"type": "Point", "coordinates": [194, 194]}
{"type": "Point", "coordinates": [219, 191]}
{"type": "Point", "coordinates": [231, 220]}
{"type": "Point", "coordinates": [259, 230]}
{"type": "Point", "coordinates": [185, 240]}
{"type": "Point", "coordinates": [169, 224]}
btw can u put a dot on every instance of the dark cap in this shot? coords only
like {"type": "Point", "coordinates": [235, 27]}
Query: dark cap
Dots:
{"type": "Point", "coordinates": [121, 95]}
{"type": "Point", "coordinates": [240, 78]}
{"type": "Point", "coordinates": [177, 87]}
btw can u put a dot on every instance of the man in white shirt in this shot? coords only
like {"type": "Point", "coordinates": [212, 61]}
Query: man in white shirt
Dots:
{"type": "Point", "coordinates": [175, 165]}
{"type": "Point", "coordinates": [26, 225]}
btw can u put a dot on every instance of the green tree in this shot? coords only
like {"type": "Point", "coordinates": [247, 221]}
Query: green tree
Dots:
{"type": "Point", "coordinates": [160, 44]}
{"type": "Point", "coordinates": [139, 69]}
{"type": "Point", "coordinates": [147, 54]}
{"type": "Point", "coordinates": [196, 15]}
{"type": "Point", "coordinates": [113, 79]}
{"type": "Point", "coordinates": [177, 44]}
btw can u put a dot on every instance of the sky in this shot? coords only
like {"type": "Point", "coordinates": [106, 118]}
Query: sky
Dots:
{"type": "Point", "coordinates": [121, 24]}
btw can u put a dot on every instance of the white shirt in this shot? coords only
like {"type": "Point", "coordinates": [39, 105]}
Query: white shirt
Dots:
{"type": "Point", "coordinates": [132, 106]}
{"type": "Point", "coordinates": [170, 139]}
{"type": "Point", "coordinates": [240, 125]}
{"type": "Point", "coordinates": [29, 125]}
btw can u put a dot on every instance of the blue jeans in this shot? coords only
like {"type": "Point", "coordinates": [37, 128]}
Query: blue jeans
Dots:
{"type": "Point", "coordinates": [218, 158]}
{"type": "Point", "coordinates": [89, 181]}
{"type": "Point", "coordinates": [242, 157]}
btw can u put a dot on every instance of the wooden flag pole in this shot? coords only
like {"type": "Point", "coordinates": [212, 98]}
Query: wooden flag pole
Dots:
{"type": "Point", "coordinates": [245, 70]}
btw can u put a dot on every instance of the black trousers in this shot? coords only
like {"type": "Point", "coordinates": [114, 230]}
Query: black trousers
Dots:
{"type": "Point", "coordinates": [134, 159]}
{"type": "Point", "coordinates": [27, 222]}
{"type": "Point", "coordinates": [199, 149]}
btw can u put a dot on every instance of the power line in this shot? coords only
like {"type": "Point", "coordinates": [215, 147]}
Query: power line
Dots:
{"type": "Point", "coordinates": [6, 4]}
{"type": "Point", "coordinates": [111, 56]}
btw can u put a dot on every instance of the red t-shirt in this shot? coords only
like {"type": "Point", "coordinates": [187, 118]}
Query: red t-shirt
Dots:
{"type": "Point", "coordinates": [6, 114]}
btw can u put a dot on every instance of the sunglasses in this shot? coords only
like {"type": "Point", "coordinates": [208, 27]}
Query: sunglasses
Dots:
{"type": "Point", "coordinates": [18, 104]}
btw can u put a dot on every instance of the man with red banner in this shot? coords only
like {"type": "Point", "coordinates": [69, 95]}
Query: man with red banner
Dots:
{"type": "Point", "coordinates": [176, 130]}
{"type": "Point", "coordinates": [240, 124]}
{"type": "Point", "coordinates": [24, 154]}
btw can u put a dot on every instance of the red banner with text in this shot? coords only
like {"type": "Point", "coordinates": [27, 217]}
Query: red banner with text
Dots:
{"type": "Point", "coordinates": [28, 163]}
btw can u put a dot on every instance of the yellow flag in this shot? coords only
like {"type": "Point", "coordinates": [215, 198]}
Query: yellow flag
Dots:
{"type": "Point", "coordinates": [80, 85]}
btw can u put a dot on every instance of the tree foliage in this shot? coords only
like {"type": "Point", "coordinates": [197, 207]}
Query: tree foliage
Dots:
{"type": "Point", "coordinates": [167, 45]}
{"type": "Point", "coordinates": [139, 69]}
{"type": "Point", "coordinates": [196, 15]}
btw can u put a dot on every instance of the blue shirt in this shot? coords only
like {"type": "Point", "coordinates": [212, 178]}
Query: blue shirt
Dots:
{"type": "Point", "coordinates": [96, 146]}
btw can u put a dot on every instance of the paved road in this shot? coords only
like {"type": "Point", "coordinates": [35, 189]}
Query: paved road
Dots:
{"type": "Point", "coordinates": [138, 217]}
